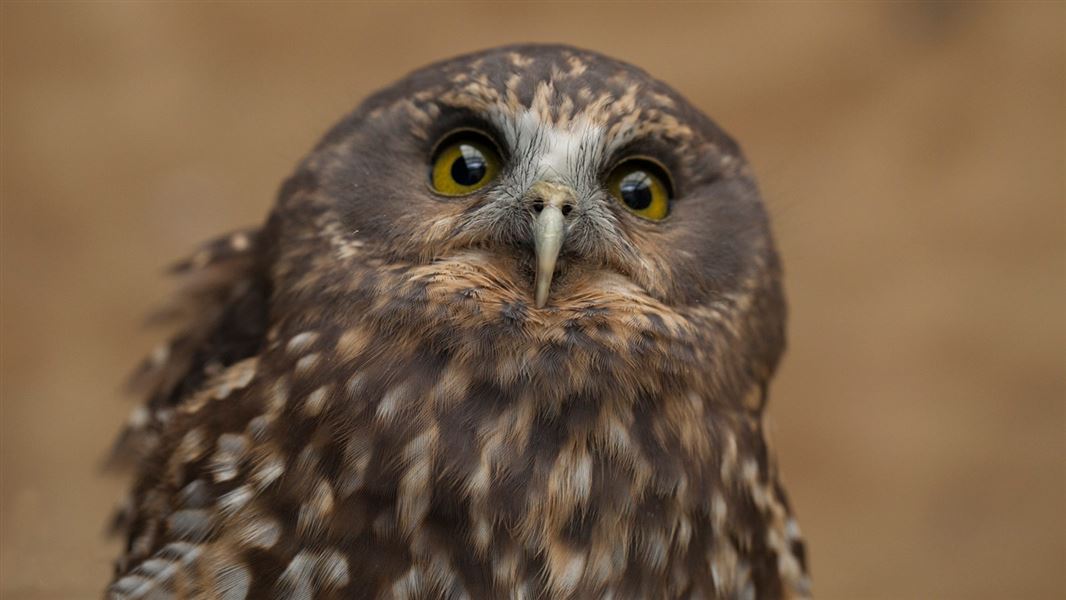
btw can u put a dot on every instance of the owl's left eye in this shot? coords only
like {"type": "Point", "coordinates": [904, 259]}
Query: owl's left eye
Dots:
{"type": "Point", "coordinates": [643, 187]}
{"type": "Point", "coordinates": [464, 162]}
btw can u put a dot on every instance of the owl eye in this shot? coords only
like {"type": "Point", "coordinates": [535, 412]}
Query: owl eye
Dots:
{"type": "Point", "coordinates": [643, 187]}
{"type": "Point", "coordinates": [464, 162]}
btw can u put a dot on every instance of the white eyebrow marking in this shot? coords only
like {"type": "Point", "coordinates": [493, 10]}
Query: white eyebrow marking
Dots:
{"type": "Point", "coordinates": [558, 154]}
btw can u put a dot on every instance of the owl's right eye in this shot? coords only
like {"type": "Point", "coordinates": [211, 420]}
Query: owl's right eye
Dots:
{"type": "Point", "coordinates": [463, 163]}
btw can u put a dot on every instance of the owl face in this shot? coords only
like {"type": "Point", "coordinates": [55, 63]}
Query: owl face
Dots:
{"type": "Point", "coordinates": [571, 172]}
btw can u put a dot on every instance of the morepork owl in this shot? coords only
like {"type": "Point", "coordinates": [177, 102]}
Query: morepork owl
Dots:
{"type": "Point", "coordinates": [507, 333]}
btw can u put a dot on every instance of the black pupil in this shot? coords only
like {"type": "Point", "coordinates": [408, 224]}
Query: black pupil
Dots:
{"type": "Point", "coordinates": [470, 167]}
{"type": "Point", "coordinates": [636, 190]}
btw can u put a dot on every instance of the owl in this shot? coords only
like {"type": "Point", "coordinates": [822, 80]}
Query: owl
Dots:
{"type": "Point", "coordinates": [508, 332]}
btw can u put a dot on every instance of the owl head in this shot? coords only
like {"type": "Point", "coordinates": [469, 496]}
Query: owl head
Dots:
{"type": "Point", "coordinates": [561, 179]}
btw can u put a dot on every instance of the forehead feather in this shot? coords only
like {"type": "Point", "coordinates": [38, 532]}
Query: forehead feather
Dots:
{"type": "Point", "coordinates": [557, 149]}
{"type": "Point", "coordinates": [559, 83]}
{"type": "Point", "coordinates": [568, 90]}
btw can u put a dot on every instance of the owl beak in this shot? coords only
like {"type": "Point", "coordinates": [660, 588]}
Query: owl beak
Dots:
{"type": "Point", "coordinates": [547, 240]}
{"type": "Point", "coordinates": [551, 203]}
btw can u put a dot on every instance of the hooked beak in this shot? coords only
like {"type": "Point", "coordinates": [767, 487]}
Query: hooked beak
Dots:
{"type": "Point", "coordinates": [549, 230]}
{"type": "Point", "coordinates": [547, 239]}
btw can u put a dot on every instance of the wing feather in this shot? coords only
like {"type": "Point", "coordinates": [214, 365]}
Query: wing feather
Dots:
{"type": "Point", "coordinates": [220, 315]}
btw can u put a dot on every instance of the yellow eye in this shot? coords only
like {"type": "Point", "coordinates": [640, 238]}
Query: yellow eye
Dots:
{"type": "Point", "coordinates": [463, 164]}
{"type": "Point", "coordinates": [642, 186]}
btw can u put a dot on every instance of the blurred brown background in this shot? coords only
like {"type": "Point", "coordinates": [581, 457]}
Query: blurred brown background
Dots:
{"type": "Point", "coordinates": [912, 156]}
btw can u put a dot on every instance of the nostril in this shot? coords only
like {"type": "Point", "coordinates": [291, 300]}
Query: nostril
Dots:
{"type": "Point", "coordinates": [567, 208]}
{"type": "Point", "coordinates": [538, 205]}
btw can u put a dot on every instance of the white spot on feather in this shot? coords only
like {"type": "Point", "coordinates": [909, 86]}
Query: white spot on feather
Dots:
{"type": "Point", "coordinates": [309, 572]}
{"type": "Point", "coordinates": [301, 342]}
{"type": "Point", "coordinates": [306, 363]}
{"type": "Point", "coordinates": [192, 525]}
{"type": "Point", "coordinates": [259, 533]}
{"type": "Point", "coordinates": [356, 458]}
{"type": "Point", "coordinates": [160, 354]}
{"type": "Point", "coordinates": [408, 586]}
{"type": "Point", "coordinates": [718, 510]}
{"type": "Point", "coordinates": [333, 569]}
{"type": "Point", "coordinates": [138, 417]}
{"type": "Point", "coordinates": [258, 427]}
{"type": "Point", "coordinates": [792, 529]}
{"type": "Point", "coordinates": [356, 384]}
{"type": "Point", "coordinates": [315, 401]}
{"type": "Point", "coordinates": [296, 579]}
{"type": "Point", "coordinates": [268, 471]}
{"type": "Point", "coordinates": [153, 577]}
{"type": "Point", "coordinates": [318, 506]}
{"type": "Point", "coordinates": [233, 501]}
{"type": "Point", "coordinates": [240, 242]}
{"type": "Point", "coordinates": [194, 495]}
{"type": "Point", "coordinates": [565, 570]}
{"type": "Point", "coordinates": [391, 402]}
{"type": "Point", "coordinates": [226, 460]}
{"type": "Point", "coordinates": [191, 446]}
{"type": "Point", "coordinates": [415, 493]}
{"type": "Point", "coordinates": [232, 582]}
